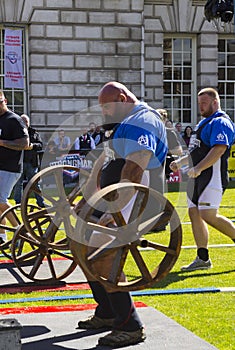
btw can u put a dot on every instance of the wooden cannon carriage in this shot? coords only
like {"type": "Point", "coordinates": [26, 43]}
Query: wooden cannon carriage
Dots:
{"type": "Point", "coordinates": [60, 233]}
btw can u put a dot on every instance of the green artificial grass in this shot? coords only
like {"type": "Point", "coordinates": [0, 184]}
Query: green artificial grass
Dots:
{"type": "Point", "coordinates": [210, 316]}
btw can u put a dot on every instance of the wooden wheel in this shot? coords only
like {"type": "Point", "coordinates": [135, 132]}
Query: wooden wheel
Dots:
{"type": "Point", "coordinates": [47, 226]}
{"type": "Point", "coordinates": [132, 244]}
{"type": "Point", "coordinates": [59, 200]}
{"type": "Point", "coordinates": [42, 258]}
{"type": "Point", "coordinates": [9, 221]}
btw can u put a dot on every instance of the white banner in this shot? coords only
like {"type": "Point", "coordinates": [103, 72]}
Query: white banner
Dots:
{"type": "Point", "coordinates": [13, 66]}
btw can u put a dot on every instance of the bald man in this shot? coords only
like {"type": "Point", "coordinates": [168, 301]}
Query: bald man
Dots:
{"type": "Point", "coordinates": [138, 146]}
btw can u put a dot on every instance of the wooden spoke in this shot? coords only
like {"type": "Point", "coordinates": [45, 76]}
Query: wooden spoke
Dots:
{"type": "Point", "coordinates": [10, 219]}
{"type": "Point", "coordinates": [37, 259]}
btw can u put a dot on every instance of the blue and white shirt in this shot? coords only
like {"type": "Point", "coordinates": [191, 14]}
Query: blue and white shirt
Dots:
{"type": "Point", "coordinates": [142, 129]}
{"type": "Point", "coordinates": [218, 129]}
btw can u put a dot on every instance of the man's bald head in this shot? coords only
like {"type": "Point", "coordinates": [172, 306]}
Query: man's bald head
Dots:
{"type": "Point", "coordinates": [116, 101]}
{"type": "Point", "coordinates": [25, 119]}
{"type": "Point", "coordinates": [116, 92]}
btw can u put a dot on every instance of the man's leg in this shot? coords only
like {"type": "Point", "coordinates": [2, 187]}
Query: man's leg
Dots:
{"type": "Point", "coordinates": [115, 309]}
{"type": "Point", "coordinates": [127, 327]}
{"type": "Point", "coordinates": [3, 237]}
{"type": "Point", "coordinates": [219, 222]}
{"type": "Point", "coordinates": [201, 234]}
{"type": "Point", "coordinates": [7, 182]}
{"type": "Point", "coordinates": [199, 227]}
{"type": "Point", "coordinates": [30, 172]}
{"type": "Point", "coordinates": [18, 190]}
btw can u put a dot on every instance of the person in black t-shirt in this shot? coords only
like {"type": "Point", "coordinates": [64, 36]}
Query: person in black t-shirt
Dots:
{"type": "Point", "coordinates": [14, 138]}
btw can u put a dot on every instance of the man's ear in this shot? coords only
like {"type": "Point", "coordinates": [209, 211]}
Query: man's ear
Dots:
{"type": "Point", "coordinates": [216, 103]}
{"type": "Point", "coordinates": [122, 97]}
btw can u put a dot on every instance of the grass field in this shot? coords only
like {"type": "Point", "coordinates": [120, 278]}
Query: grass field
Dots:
{"type": "Point", "coordinates": [211, 316]}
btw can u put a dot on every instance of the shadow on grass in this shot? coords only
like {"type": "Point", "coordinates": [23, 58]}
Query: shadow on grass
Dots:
{"type": "Point", "coordinates": [178, 276]}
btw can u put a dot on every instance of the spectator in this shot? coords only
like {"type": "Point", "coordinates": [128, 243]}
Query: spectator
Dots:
{"type": "Point", "coordinates": [174, 146]}
{"type": "Point", "coordinates": [30, 163]}
{"type": "Point", "coordinates": [96, 133]}
{"type": "Point", "coordinates": [169, 124]}
{"type": "Point", "coordinates": [14, 138]}
{"type": "Point", "coordinates": [92, 127]}
{"type": "Point", "coordinates": [179, 132]}
{"type": "Point", "coordinates": [178, 128]}
{"type": "Point", "coordinates": [62, 142]}
{"type": "Point", "coordinates": [208, 178]}
{"type": "Point", "coordinates": [187, 134]}
{"type": "Point", "coordinates": [84, 143]}
{"type": "Point", "coordinates": [51, 147]}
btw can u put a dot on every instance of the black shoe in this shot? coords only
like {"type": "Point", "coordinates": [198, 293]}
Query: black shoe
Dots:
{"type": "Point", "coordinates": [117, 339]}
{"type": "Point", "coordinates": [94, 322]}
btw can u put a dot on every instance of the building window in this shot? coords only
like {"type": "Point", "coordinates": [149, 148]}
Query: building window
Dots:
{"type": "Point", "coordinates": [179, 78]}
{"type": "Point", "coordinates": [16, 98]}
{"type": "Point", "coordinates": [226, 75]}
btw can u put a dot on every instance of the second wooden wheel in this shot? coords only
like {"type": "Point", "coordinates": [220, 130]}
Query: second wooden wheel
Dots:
{"type": "Point", "coordinates": [9, 222]}
{"type": "Point", "coordinates": [59, 200]}
{"type": "Point", "coordinates": [133, 245]}
{"type": "Point", "coordinates": [42, 259]}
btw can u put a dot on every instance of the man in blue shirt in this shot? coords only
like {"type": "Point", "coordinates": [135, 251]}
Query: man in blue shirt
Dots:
{"type": "Point", "coordinates": [62, 141]}
{"type": "Point", "coordinates": [209, 150]}
{"type": "Point", "coordinates": [138, 144]}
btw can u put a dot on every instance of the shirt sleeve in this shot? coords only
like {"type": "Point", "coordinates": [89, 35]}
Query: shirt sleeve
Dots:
{"type": "Point", "coordinates": [222, 132]}
{"type": "Point", "coordinates": [93, 146]}
{"type": "Point", "coordinates": [17, 129]}
{"type": "Point", "coordinates": [77, 144]}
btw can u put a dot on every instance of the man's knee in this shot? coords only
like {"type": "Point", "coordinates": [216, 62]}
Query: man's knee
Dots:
{"type": "Point", "coordinates": [193, 213]}
{"type": "Point", "coordinates": [208, 215]}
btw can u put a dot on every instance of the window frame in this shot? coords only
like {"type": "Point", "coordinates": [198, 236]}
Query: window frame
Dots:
{"type": "Point", "coordinates": [193, 83]}
{"type": "Point", "coordinates": [226, 99]}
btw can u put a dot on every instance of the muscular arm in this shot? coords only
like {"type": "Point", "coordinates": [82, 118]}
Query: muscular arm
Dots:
{"type": "Point", "coordinates": [135, 165]}
{"type": "Point", "coordinates": [17, 144]}
{"type": "Point", "coordinates": [211, 158]}
{"type": "Point", "coordinates": [132, 171]}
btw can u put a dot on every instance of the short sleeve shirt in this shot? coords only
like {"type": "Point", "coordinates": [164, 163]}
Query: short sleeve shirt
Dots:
{"type": "Point", "coordinates": [220, 130]}
{"type": "Point", "coordinates": [142, 129]}
{"type": "Point", "coordinates": [11, 128]}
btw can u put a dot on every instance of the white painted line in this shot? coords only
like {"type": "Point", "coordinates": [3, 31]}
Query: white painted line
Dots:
{"type": "Point", "coordinates": [228, 245]}
{"type": "Point", "coordinates": [194, 247]}
{"type": "Point", "coordinates": [227, 289]}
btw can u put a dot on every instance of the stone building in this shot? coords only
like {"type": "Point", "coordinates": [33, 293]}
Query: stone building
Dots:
{"type": "Point", "coordinates": [164, 51]}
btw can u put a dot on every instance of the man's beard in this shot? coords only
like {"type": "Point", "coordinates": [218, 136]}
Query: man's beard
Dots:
{"type": "Point", "coordinates": [109, 126]}
{"type": "Point", "coordinates": [208, 113]}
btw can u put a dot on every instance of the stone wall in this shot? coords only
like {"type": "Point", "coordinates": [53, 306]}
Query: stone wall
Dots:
{"type": "Point", "coordinates": [75, 46]}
